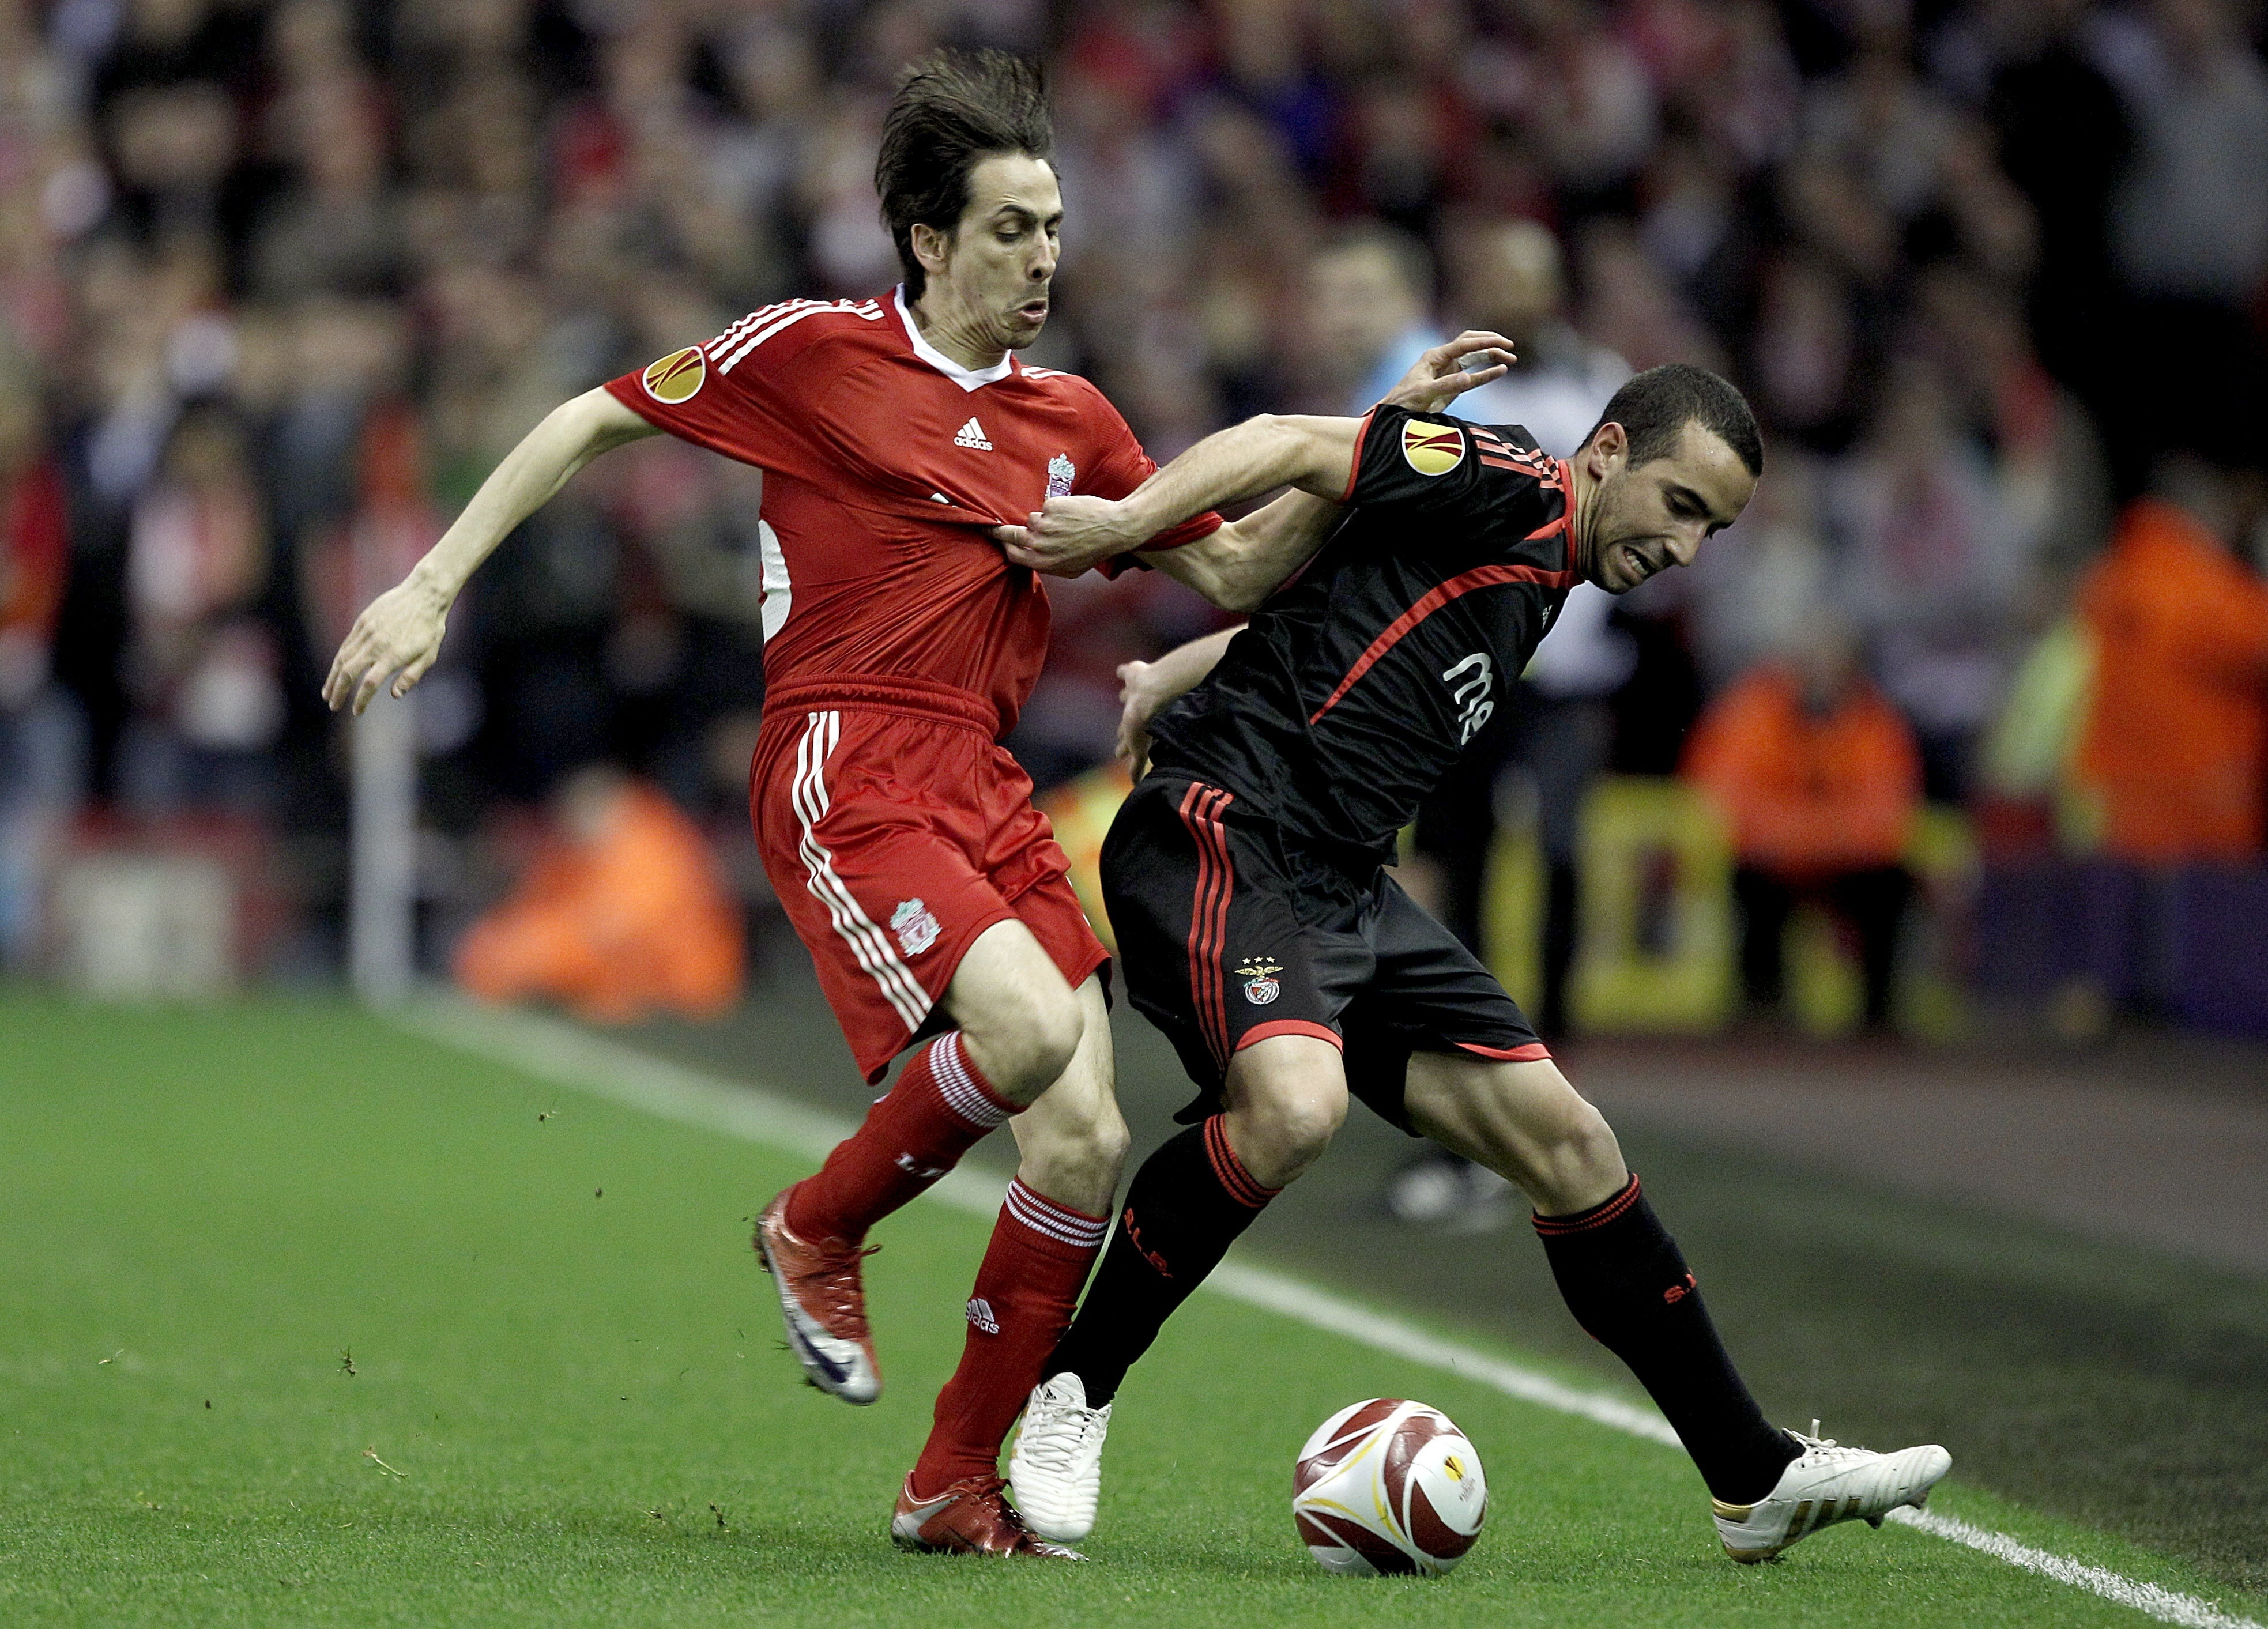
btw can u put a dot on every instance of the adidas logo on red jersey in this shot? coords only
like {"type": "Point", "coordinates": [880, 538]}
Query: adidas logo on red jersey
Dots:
{"type": "Point", "coordinates": [972, 434]}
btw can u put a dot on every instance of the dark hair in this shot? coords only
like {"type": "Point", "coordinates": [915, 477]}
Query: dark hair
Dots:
{"type": "Point", "coordinates": [1654, 407]}
{"type": "Point", "coordinates": [952, 110]}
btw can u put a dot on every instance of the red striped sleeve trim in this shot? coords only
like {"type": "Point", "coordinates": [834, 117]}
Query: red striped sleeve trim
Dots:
{"type": "Point", "coordinates": [1584, 1221]}
{"type": "Point", "coordinates": [1229, 1169]}
{"type": "Point", "coordinates": [1455, 588]}
{"type": "Point", "coordinates": [1276, 1026]}
{"type": "Point", "coordinates": [1534, 1052]}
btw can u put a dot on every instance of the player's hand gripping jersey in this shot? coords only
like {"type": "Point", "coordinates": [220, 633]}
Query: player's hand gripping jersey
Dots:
{"type": "Point", "coordinates": [1341, 706]}
{"type": "Point", "coordinates": [900, 643]}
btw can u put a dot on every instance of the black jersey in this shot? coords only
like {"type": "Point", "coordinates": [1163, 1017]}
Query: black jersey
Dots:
{"type": "Point", "coordinates": [1344, 702]}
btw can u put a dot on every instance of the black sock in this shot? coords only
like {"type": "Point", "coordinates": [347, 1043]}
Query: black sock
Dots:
{"type": "Point", "coordinates": [1186, 1207]}
{"type": "Point", "coordinates": [1621, 1275]}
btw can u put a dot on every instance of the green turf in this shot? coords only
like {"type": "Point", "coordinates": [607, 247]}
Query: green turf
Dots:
{"type": "Point", "coordinates": [559, 1354]}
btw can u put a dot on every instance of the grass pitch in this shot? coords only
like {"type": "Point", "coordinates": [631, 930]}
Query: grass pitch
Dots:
{"type": "Point", "coordinates": [305, 1320]}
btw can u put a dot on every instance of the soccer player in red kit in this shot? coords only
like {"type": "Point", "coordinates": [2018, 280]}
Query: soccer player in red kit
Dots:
{"type": "Point", "coordinates": [895, 434]}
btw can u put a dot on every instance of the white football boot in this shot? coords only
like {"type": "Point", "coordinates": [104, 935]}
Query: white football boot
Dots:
{"type": "Point", "coordinates": [1055, 1472]}
{"type": "Point", "coordinates": [1829, 1483]}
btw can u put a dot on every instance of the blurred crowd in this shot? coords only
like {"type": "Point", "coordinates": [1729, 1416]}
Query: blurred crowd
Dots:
{"type": "Point", "coordinates": [280, 280]}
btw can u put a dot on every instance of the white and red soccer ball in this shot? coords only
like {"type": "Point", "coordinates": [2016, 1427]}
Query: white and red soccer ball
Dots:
{"type": "Point", "coordinates": [1388, 1487]}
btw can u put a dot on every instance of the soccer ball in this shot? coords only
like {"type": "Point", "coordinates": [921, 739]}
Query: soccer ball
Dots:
{"type": "Point", "coordinates": [1388, 1487]}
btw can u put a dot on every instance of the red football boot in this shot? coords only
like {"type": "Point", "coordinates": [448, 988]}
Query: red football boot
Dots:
{"type": "Point", "coordinates": [970, 1518]}
{"type": "Point", "coordinates": [824, 1305]}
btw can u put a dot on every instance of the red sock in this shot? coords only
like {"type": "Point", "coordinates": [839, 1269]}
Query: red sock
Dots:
{"type": "Point", "coordinates": [1025, 1293]}
{"type": "Point", "coordinates": [939, 1108]}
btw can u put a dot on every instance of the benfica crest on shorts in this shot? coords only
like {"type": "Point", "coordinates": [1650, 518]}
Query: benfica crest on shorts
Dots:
{"type": "Point", "coordinates": [1061, 473]}
{"type": "Point", "coordinates": [1259, 974]}
{"type": "Point", "coordinates": [915, 925]}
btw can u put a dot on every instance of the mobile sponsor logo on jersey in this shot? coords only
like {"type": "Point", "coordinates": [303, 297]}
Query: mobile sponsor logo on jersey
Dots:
{"type": "Point", "coordinates": [1061, 473]}
{"type": "Point", "coordinates": [915, 925]}
{"type": "Point", "coordinates": [1432, 449]}
{"type": "Point", "coordinates": [1259, 974]}
{"type": "Point", "coordinates": [677, 376]}
{"type": "Point", "coordinates": [1469, 682]}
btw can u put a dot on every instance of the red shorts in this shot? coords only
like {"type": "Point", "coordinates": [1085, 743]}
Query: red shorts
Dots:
{"type": "Point", "coordinates": [895, 830]}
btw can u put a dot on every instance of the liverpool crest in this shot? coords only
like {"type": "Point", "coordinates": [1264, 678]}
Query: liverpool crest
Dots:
{"type": "Point", "coordinates": [1259, 974]}
{"type": "Point", "coordinates": [915, 925]}
{"type": "Point", "coordinates": [1061, 473]}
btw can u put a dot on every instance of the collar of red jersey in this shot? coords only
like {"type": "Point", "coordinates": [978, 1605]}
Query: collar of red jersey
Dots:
{"type": "Point", "coordinates": [968, 379]}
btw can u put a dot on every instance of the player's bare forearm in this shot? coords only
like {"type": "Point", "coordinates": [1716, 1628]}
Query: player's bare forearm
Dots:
{"type": "Point", "coordinates": [531, 475]}
{"type": "Point", "coordinates": [398, 635]}
{"type": "Point", "coordinates": [1311, 456]}
{"type": "Point", "coordinates": [1145, 687]}
{"type": "Point", "coordinates": [1070, 534]}
{"type": "Point", "coordinates": [1240, 565]}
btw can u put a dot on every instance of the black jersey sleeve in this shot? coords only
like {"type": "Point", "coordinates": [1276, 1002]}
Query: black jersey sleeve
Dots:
{"type": "Point", "coordinates": [1431, 464]}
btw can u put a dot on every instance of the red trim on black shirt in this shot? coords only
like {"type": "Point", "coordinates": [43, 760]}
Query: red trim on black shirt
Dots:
{"type": "Point", "coordinates": [1456, 587]}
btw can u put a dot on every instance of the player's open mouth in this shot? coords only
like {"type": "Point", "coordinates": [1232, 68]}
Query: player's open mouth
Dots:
{"type": "Point", "coordinates": [1634, 566]}
{"type": "Point", "coordinates": [1032, 310]}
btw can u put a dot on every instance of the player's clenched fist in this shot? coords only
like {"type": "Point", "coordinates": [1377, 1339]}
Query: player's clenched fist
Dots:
{"type": "Point", "coordinates": [397, 636]}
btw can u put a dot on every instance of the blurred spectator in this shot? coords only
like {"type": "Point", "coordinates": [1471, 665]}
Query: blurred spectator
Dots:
{"type": "Point", "coordinates": [1936, 558]}
{"type": "Point", "coordinates": [1816, 774]}
{"type": "Point", "coordinates": [1510, 279]}
{"type": "Point", "coordinates": [1369, 315]}
{"type": "Point", "coordinates": [201, 666]}
{"type": "Point", "coordinates": [2174, 746]}
{"type": "Point", "coordinates": [2192, 216]}
{"type": "Point", "coordinates": [620, 916]}
{"type": "Point", "coordinates": [40, 750]}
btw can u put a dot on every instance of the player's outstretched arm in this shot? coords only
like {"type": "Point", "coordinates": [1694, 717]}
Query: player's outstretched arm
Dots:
{"type": "Point", "coordinates": [398, 635]}
{"type": "Point", "coordinates": [1069, 536]}
{"type": "Point", "coordinates": [1312, 455]}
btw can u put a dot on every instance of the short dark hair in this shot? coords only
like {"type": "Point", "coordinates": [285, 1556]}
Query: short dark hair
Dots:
{"type": "Point", "coordinates": [952, 110]}
{"type": "Point", "coordinates": [1654, 407]}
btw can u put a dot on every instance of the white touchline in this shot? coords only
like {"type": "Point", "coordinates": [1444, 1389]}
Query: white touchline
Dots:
{"type": "Point", "coordinates": [564, 1054]}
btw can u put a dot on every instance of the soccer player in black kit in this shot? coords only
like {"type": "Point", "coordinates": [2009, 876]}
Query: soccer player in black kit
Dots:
{"type": "Point", "coordinates": [1258, 928]}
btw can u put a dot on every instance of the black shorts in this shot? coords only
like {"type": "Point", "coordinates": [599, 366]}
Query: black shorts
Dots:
{"type": "Point", "coordinates": [1228, 934]}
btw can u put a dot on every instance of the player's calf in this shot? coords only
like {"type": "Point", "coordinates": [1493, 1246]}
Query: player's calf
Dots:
{"type": "Point", "coordinates": [1522, 1121]}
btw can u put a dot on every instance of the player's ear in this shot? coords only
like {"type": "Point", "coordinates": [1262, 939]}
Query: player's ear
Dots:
{"type": "Point", "coordinates": [932, 246]}
{"type": "Point", "coordinates": [1604, 453]}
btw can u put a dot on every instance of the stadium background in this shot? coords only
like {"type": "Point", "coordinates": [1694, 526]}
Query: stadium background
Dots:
{"type": "Point", "coordinates": [279, 283]}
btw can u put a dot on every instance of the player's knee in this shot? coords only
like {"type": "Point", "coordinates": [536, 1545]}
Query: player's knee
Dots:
{"type": "Point", "coordinates": [1287, 1130]}
{"type": "Point", "coordinates": [1026, 1052]}
{"type": "Point", "coordinates": [1056, 1030]}
{"type": "Point", "coordinates": [1581, 1157]}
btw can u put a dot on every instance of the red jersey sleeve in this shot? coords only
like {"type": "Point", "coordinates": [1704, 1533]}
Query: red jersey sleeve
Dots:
{"type": "Point", "coordinates": [755, 392]}
{"type": "Point", "coordinates": [1122, 465]}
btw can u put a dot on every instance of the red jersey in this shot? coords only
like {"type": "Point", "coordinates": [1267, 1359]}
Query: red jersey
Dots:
{"type": "Point", "coordinates": [886, 463]}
